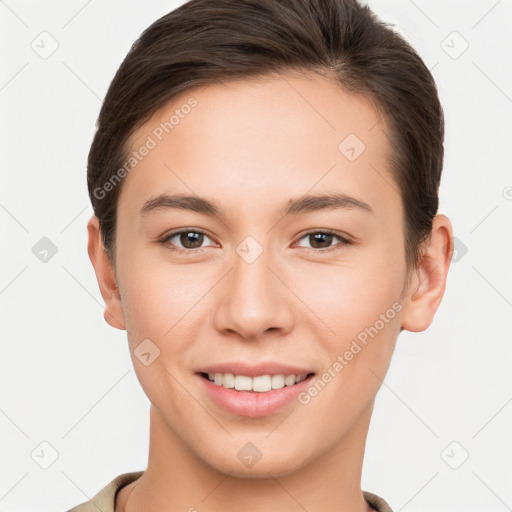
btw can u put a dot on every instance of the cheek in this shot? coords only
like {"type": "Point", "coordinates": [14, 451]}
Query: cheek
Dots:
{"type": "Point", "coordinates": [365, 316]}
{"type": "Point", "coordinates": [361, 306]}
{"type": "Point", "coordinates": [158, 304]}
{"type": "Point", "coordinates": [160, 300]}
{"type": "Point", "coordinates": [351, 297]}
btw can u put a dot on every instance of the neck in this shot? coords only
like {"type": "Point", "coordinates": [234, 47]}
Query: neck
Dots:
{"type": "Point", "coordinates": [177, 479]}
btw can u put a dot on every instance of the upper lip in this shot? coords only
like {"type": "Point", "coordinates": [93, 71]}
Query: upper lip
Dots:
{"type": "Point", "coordinates": [253, 370]}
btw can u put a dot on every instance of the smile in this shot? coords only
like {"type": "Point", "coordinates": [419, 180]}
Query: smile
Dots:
{"type": "Point", "coordinates": [258, 384]}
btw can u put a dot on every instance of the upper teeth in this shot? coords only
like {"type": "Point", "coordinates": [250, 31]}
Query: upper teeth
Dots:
{"type": "Point", "coordinates": [260, 383]}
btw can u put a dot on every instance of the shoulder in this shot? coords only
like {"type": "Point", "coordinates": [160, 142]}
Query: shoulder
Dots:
{"type": "Point", "coordinates": [376, 502]}
{"type": "Point", "coordinates": [104, 500]}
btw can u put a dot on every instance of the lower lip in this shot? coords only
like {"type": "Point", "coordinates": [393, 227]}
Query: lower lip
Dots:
{"type": "Point", "coordinates": [253, 404]}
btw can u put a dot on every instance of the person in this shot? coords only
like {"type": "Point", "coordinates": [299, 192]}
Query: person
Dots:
{"type": "Point", "coordinates": [264, 177]}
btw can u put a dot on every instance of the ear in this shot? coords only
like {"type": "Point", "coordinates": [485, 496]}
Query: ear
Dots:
{"type": "Point", "coordinates": [105, 275]}
{"type": "Point", "coordinates": [428, 280]}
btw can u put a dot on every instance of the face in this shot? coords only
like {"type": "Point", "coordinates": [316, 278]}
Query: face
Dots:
{"type": "Point", "coordinates": [254, 289]}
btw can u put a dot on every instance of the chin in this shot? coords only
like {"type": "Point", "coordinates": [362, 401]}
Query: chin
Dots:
{"type": "Point", "coordinates": [276, 465]}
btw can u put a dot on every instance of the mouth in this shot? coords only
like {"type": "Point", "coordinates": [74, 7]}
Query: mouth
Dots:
{"type": "Point", "coordinates": [256, 384]}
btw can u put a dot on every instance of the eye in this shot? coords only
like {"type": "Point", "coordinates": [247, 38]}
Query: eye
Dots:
{"type": "Point", "coordinates": [190, 240]}
{"type": "Point", "coordinates": [321, 240]}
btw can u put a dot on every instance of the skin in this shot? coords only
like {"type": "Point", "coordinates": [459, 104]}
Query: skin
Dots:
{"type": "Point", "coordinates": [251, 147]}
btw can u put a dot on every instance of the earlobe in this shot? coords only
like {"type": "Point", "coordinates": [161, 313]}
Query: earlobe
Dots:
{"type": "Point", "coordinates": [105, 275]}
{"type": "Point", "coordinates": [428, 281]}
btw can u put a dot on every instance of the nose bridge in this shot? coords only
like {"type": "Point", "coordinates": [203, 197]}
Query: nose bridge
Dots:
{"type": "Point", "coordinates": [252, 300]}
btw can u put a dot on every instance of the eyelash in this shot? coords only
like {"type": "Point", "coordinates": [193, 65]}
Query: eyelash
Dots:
{"type": "Point", "coordinates": [344, 241]}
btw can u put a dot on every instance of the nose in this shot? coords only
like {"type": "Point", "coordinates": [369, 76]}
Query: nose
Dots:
{"type": "Point", "coordinates": [254, 299]}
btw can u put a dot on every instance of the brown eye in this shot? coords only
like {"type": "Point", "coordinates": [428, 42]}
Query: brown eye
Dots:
{"type": "Point", "coordinates": [191, 239]}
{"type": "Point", "coordinates": [321, 241]}
{"type": "Point", "coordinates": [185, 240]}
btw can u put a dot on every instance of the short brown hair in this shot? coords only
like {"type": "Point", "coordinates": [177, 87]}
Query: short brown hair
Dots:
{"type": "Point", "coordinates": [210, 41]}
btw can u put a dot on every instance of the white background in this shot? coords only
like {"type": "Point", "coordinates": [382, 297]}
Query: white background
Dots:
{"type": "Point", "coordinates": [66, 377]}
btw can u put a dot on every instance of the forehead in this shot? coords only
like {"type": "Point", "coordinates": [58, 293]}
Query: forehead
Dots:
{"type": "Point", "coordinates": [280, 136]}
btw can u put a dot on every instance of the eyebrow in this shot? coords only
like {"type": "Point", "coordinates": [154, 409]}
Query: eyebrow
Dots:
{"type": "Point", "coordinates": [304, 204]}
